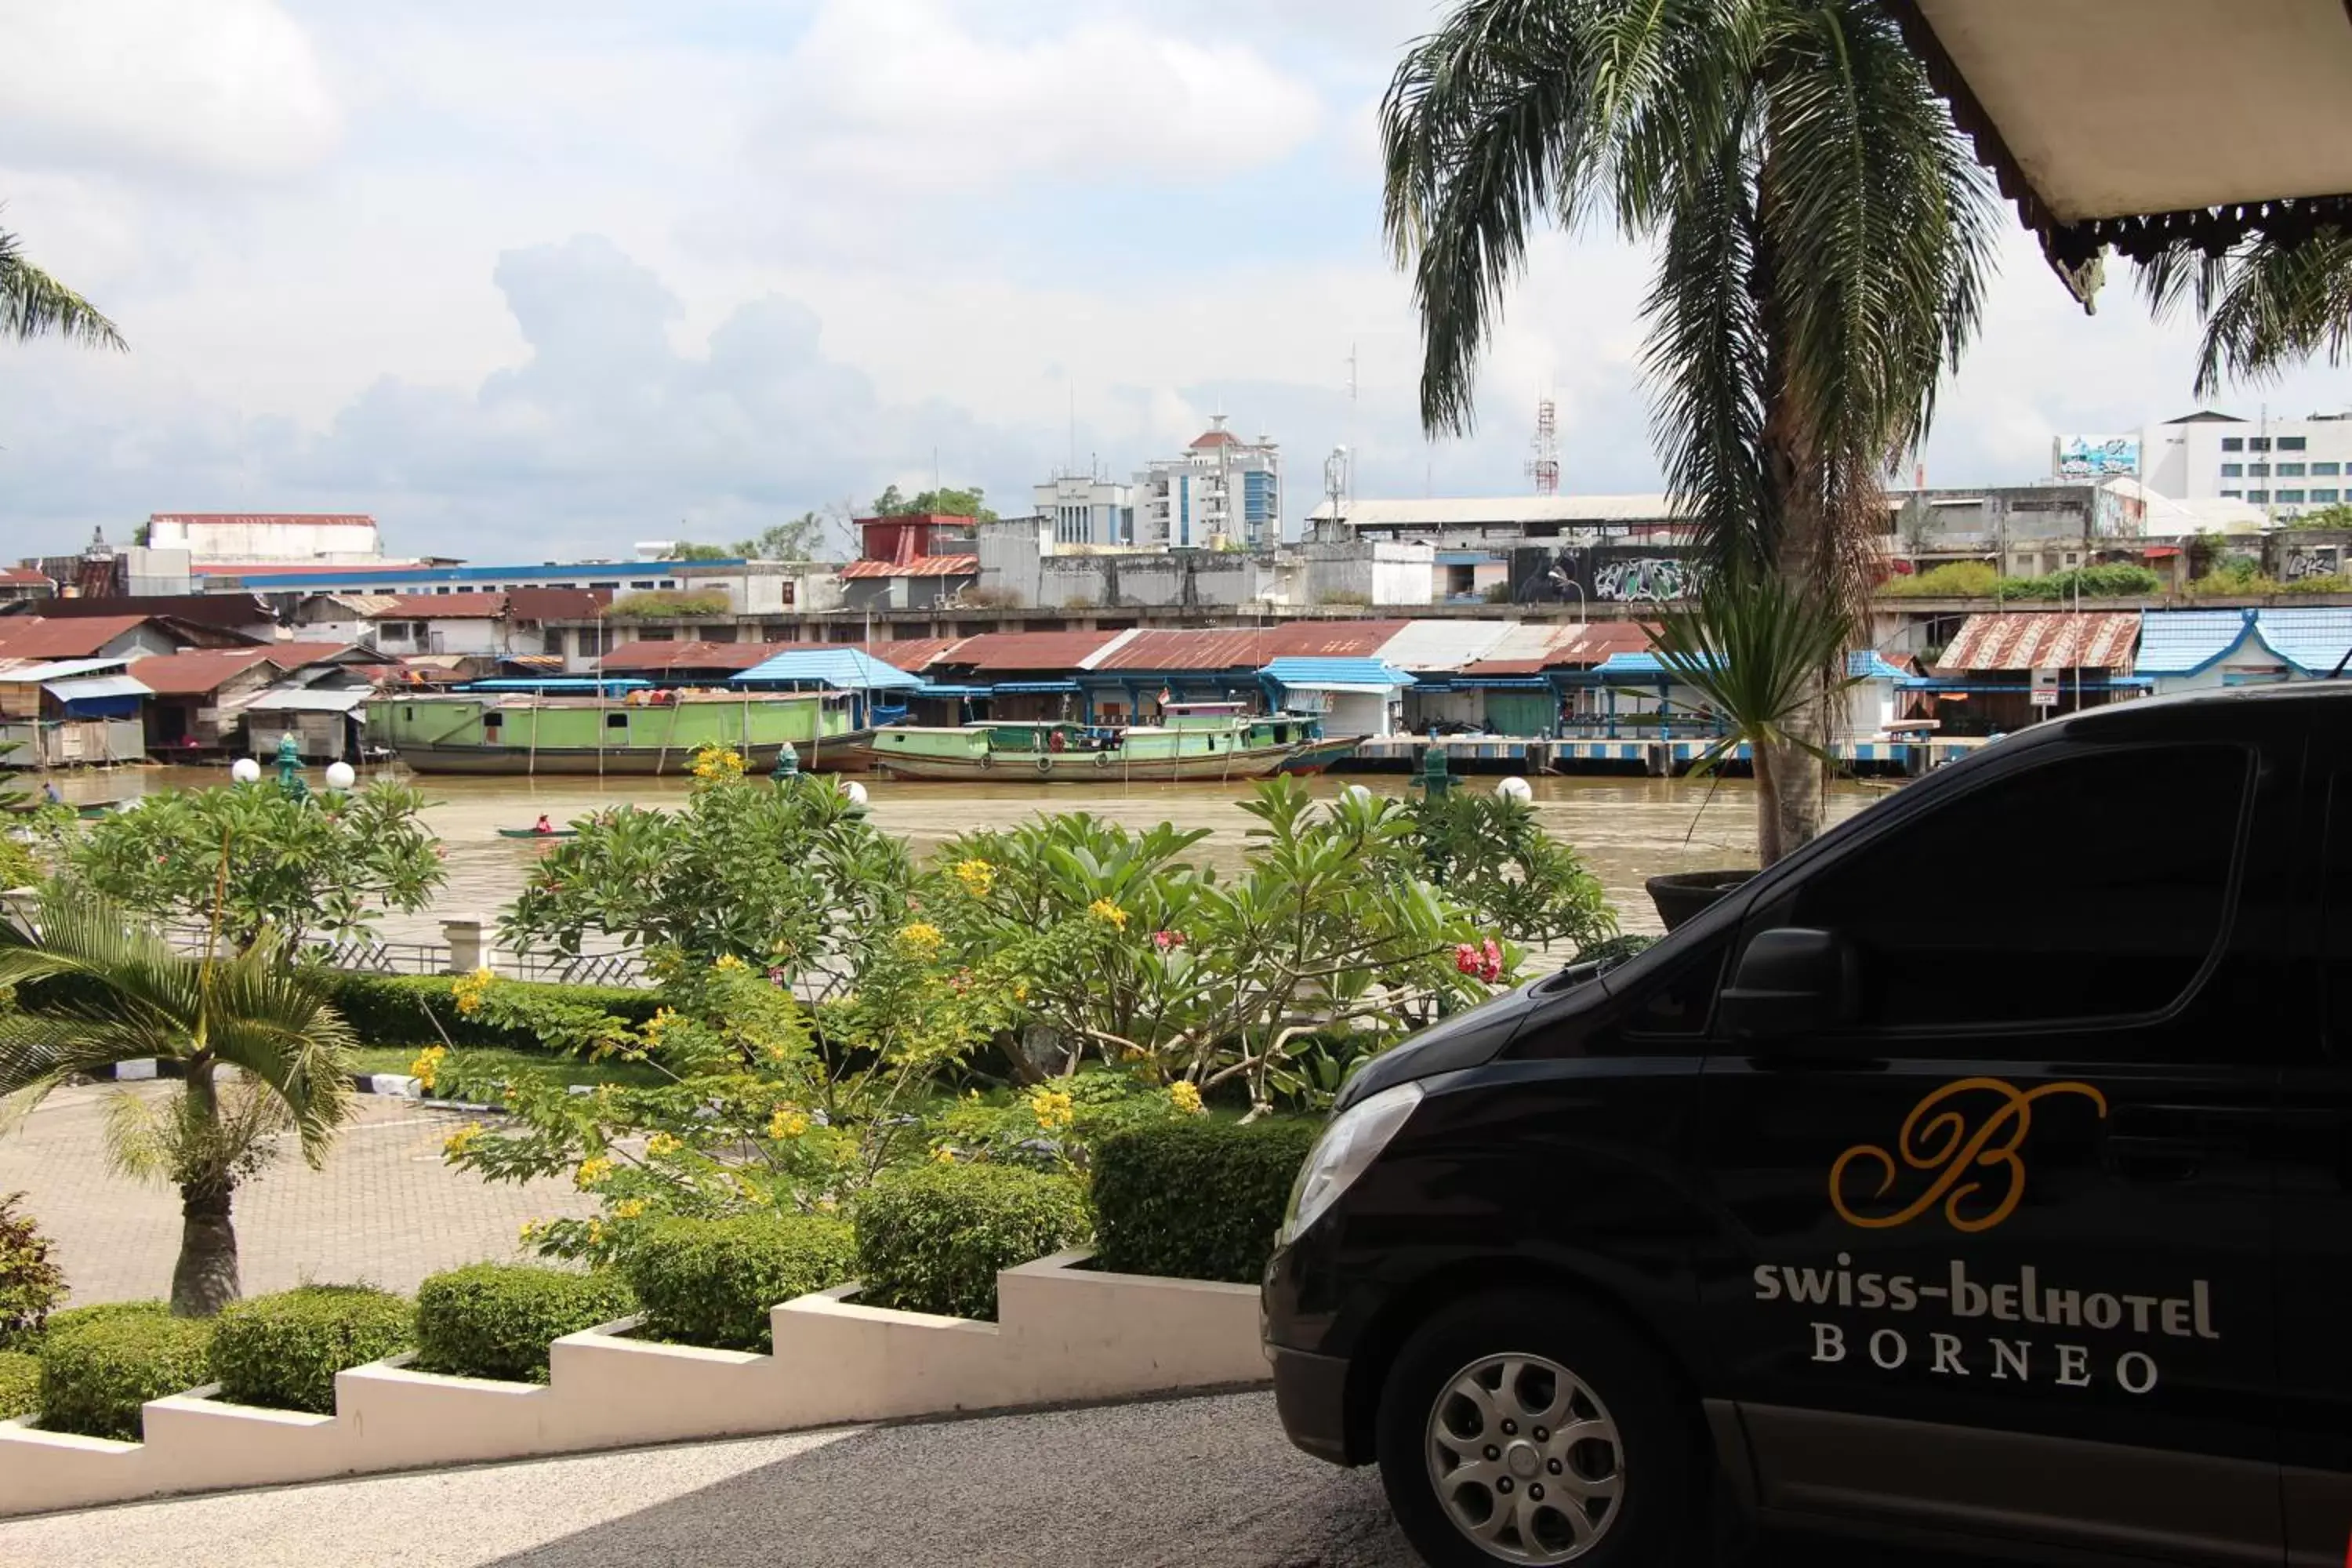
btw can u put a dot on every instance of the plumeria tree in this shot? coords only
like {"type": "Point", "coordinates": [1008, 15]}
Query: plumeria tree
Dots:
{"type": "Point", "coordinates": [251, 860]}
{"type": "Point", "coordinates": [779, 875]}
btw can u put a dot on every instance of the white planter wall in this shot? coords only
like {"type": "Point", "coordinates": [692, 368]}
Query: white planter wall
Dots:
{"type": "Point", "coordinates": [1064, 1334]}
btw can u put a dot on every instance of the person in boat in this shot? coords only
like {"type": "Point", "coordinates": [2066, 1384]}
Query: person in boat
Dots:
{"type": "Point", "coordinates": [53, 794]}
{"type": "Point", "coordinates": [542, 825]}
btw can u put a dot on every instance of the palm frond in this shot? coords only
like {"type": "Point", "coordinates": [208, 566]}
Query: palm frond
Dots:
{"type": "Point", "coordinates": [2265, 305]}
{"type": "Point", "coordinates": [1759, 651]}
{"type": "Point", "coordinates": [33, 304]}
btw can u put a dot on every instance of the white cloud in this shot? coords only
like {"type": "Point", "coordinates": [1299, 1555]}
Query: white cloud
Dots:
{"type": "Point", "coordinates": [898, 93]}
{"type": "Point", "coordinates": [226, 87]}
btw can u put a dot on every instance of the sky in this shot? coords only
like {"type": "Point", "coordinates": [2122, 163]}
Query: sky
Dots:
{"type": "Point", "coordinates": [540, 278]}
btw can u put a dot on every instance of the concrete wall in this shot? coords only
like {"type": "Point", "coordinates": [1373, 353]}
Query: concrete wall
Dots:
{"type": "Point", "coordinates": [1362, 572]}
{"type": "Point", "coordinates": [259, 539]}
{"type": "Point", "coordinates": [1063, 1334]}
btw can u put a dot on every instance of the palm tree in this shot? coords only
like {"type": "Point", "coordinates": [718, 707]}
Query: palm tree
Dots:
{"type": "Point", "coordinates": [33, 304]}
{"type": "Point", "coordinates": [1753, 647]}
{"type": "Point", "coordinates": [2265, 303]}
{"type": "Point", "coordinates": [258, 1048]}
{"type": "Point", "coordinates": [1823, 236]}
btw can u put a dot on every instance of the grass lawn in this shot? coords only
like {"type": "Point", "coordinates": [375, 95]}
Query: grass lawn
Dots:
{"type": "Point", "coordinates": [563, 1069]}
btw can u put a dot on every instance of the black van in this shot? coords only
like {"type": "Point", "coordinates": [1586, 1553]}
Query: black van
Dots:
{"type": "Point", "coordinates": [1980, 1176]}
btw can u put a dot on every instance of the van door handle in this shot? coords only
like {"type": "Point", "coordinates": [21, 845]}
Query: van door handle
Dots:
{"type": "Point", "coordinates": [2154, 1158]}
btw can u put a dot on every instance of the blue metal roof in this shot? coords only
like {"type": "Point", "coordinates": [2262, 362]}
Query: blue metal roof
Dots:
{"type": "Point", "coordinates": [1864, 664]}
{"type": "Point", "coordinates": [1646, 666]}
{"type": "Point", "coordinates": [2311, 639]}
{"type": "Point", "coordinates": [1035, 687]}
{"type": "Point", "coordinates": [843, 669]}
{"type": "Point", "coordinates": [1298, 670]}
{"type": "Point", "coordinates": [940, 688]}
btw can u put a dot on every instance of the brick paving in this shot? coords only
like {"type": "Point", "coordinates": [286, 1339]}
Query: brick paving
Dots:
{"type": "Point", "coordinates": [385, 1211]}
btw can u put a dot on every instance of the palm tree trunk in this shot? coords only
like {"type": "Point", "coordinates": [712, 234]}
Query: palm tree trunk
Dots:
{"type": "Point", "coordinates": [205, 1278]}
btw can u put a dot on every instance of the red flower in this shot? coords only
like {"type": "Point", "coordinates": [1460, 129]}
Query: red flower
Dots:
{"type": "Point", "coordinates": [1465, 959]}
{"type": "Point", "coordinates": [1164, 940]}
{"type": "Point", "coordinates": [1492, 968]}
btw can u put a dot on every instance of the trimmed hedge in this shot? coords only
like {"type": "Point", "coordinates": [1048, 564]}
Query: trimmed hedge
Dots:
{"type": "Point", "coordinates": [282, 1352]}
{"type": "Point", "coordinates": [401, 1009]}
{"type": "Point", "coordinates": [1196, 1199]}
{"type": "Point", "coordinates": [98, 1313]}
{"type": "Point", "coordinates": [711, 1281]}
{"type": "Point", "coordinates": [95, 1374]}
{"type": "Point", "coordinates": [497, 1320]}
{"type": "Point", "coordinates": [931, 1239]}
{"type": "Point", "coordinates": [20, 1385]}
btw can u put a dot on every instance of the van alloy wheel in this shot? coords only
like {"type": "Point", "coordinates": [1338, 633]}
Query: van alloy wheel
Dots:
{"type": "Point", "coordinates": [1525, 1459]}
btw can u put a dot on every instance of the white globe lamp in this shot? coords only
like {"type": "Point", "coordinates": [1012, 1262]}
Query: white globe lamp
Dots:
{"type": "Point", "coordinates": [244, 770]}
{"type": "Point", "coordinates": [1357, 793]}
{"type": "Point", "coordinates": [1516, 789]}
{"type": "Point", "coordinates": [855, 792]}
{"type": "Point", "coordinates": [342, 775]}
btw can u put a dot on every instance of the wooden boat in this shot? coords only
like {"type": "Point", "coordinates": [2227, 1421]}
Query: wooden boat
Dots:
{"type": "Point", "coordinates": [644, 733]}
{"type": "Point", "coordinates": [535, 833]}
{"type": "Point", "coordinates": [1211, 742]}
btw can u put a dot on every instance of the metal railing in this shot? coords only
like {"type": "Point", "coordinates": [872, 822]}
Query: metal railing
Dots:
{"type": "Point", "coordinates": [371, 955]}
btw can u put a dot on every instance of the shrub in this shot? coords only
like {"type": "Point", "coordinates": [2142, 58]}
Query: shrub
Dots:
{"type": "Point", "coordinates": [660, 603]}
{"type": "Point", "coordinates": [931, 1239]}
{"type": "Point", "coordinates": [31, 1284]}
{"type": "Point", "coordinates": [1953, 580]}
{"type": "Point", "coordinates": [98, 1312]}
{"type": "Point", "coordinates": [282, 1352]}
{"type": "Point", "coordinates": [711, 1281]}
{"type": "Point", "coordinates": [96, 1372]}
{"type": "Point", "coordinates": [20, 1385]}
{"type": "Point", "coordinates": [1198, 1199]}
{"type": "Point", "coordinates": [401, 1009]}
{"type": "Point", "coordinates": [497, 1320]}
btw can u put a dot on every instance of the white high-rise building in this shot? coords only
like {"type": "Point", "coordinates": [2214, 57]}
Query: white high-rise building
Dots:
{"type": "Point", "coordinates": [2286, 466]}
{"type": "Point", "coordinates": [1223, 491]}
{"type": "Point", "coordinates": [1088, 510]}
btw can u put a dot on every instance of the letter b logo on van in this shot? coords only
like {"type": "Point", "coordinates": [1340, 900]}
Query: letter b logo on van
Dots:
{"type": "Point", "coordinates": [1960, 1147]}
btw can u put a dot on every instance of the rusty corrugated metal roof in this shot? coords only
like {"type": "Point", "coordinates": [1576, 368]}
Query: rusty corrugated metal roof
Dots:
{"type": "Point", "coordinates": [920, 566]}
{"type": "Point", "coordinates": [1249, 647]}
{"type": "Point", "coordinates": [1028, 650]}
{"type": "Point", "coordinates": [468, 606]}
{"type": "Point", "coordinates": [2044, 640]}
{"type": "Point", "coordinates": [1555, 645]}
{"type": "Point", "coordinates": [913, 655]}
{"type": "Point", "coordinates": [35, 636]}
{"type": "Point", "coordinates": [692, 655]}
{"type": "Point", "coordinates": [193, 672]}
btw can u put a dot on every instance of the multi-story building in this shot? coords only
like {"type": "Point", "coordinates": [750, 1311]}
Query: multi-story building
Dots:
{"type": "Point", "coordinates": [1085, 510]}
{"type": "Point", "coordinates": [2286, 466]}
{"type": "Point", "coordinates": [254, 537]}
{"type": "Point", "coordinates": [1223, 491]}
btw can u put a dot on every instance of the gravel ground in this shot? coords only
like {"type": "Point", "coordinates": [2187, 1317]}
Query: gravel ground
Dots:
{"type": "Point", "coordinates": [1200, 1483]}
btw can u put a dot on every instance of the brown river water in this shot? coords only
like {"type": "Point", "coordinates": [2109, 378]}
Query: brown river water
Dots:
{"type": "Point", "coordinates": [1627, 829]}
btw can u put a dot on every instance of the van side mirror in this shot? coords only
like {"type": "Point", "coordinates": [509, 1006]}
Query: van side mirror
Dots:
{"type": "Point", "coordinates": [1791, 981]}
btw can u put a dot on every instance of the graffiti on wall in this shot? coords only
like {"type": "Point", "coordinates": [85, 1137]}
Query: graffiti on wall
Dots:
{"type": "Point", "coordinates": [1644, 578]}
{"type": "Point", "coordinates": [2311, 561]}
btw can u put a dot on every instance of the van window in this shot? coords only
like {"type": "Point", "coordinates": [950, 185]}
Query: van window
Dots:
{"type": "Point", "coordinates": [2090, 888]}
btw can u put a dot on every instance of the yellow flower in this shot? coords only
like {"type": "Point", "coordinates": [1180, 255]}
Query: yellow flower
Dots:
{"type": "Point", "coordinates": [921, 941]}
{"type": "Point", "coordinates": [529, 1232]}
{"type": "Point", "coordinates": [426, 1068]}
{"type": "Point", "coordinates": [787, 1122]}
{"type": "Point", "coordinates": [595, 1232]}
{"type": "Point", "coordinates": [1021, 991]}
{"type": "Point", "coordinates": [470, 992]}
{"type": "Point", "coordinates": [629, 1208]}
{"type": "Point", "coordinates": [457, 1143]}
{"type": "Point", "coordinates": [1052, 1109]}
{"type": "Point", "coordinates": [943, 1155]}
{"type": "Point", "coordinates": [592, 1172]}
{"type": "Point", "coordinates": [662, 1144]}
{"type": "Point", "coordinates": [1186, 1097]}
{"type": "Point", "coordinates": [977, 876]}
{"type": "Point", "coordinates": [729, 960]}
{"type": "Point", "coordinates": [1108, 913]}
{"type": "Point", "coordinates": [826, 1206]}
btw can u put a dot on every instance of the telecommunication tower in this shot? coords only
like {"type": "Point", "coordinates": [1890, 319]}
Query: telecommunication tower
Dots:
{"type": "Point", "coordinates": [1544, 467]}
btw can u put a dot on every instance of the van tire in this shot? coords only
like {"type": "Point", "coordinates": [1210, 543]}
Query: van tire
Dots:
{"type": "Point", "coordinates": [1657, 1515]}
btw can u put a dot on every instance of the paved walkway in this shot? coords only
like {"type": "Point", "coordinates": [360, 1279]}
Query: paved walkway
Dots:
{"type": "Point", "coordinates": [1196, 1483]}
{"type": "Point", "coordinates": [385, 1211]}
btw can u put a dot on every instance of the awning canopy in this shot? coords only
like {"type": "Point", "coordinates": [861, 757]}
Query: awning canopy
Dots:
{"type": "Point", "coordinates": [2137, 123]}
{"type": "Point", "coordinates": [1035, 689]}
{"type": "Point", "coordinates": [841, 668]}
{"type": "Point", "coordinates": [1352, 675]}
{"type": "Point", "coordinates": [91, 688]}
{"type": "Point", "coordinates": [303, 700]}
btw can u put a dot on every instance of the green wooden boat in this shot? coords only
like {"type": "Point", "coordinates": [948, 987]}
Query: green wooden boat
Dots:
{"type": "Point", "coordinates": [529, 734]}
{"type": "Point", "coordinates": [1205, 741]}
{"type": "Point", "coordinates": [535, 833]}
